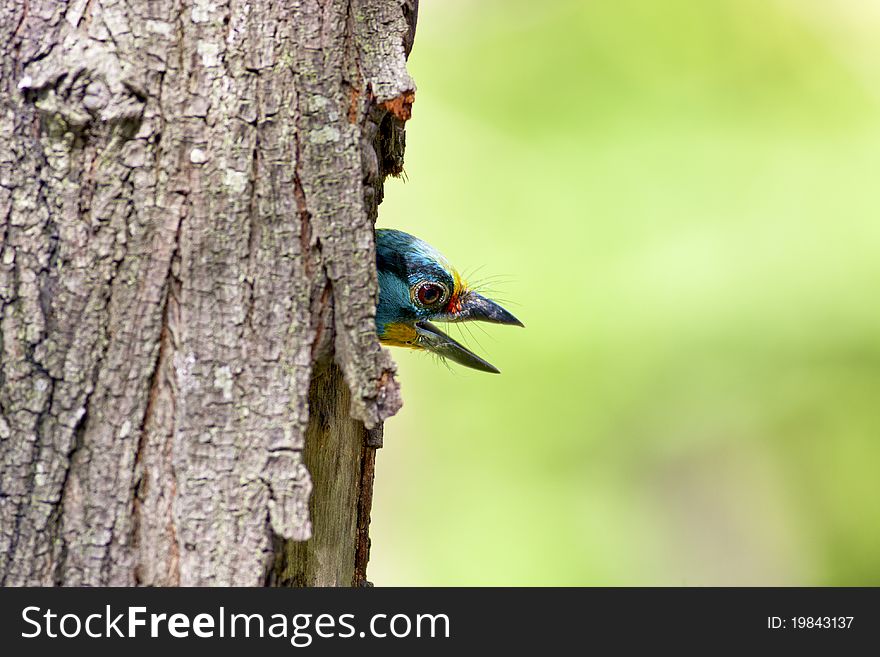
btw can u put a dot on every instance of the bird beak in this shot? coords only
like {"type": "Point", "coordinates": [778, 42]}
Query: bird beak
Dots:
{"type": "Point", "coordinates": [476, 307]}
{"type": "Point", "coordinates": [433, 339]}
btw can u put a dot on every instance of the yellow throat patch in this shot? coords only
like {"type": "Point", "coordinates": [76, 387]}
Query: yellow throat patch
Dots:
{"type": "Point", "coordinates": [400, 335]}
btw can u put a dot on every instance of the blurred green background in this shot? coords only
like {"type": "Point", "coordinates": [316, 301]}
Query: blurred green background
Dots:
{"type": "Point", "coordinates": [682, 201]}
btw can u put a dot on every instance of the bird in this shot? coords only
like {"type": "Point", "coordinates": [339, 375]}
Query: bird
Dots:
{"type": "Point", "coordinates": [418, 286]}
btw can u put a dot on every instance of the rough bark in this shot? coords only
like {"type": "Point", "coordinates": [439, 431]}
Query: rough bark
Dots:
{"type": "Point", "coordinates": [187, 193]}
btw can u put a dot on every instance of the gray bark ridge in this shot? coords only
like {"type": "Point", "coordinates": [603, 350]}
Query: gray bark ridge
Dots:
{"type": "Point", "coordinates": [187, 193]}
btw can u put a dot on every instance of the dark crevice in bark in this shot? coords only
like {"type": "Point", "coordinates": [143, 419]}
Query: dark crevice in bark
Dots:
{"type": "Point", "coordinates": [55, 520]}
{"type": "Point", "coordinates": [299, 194]}
{"type": "Point", "coordinates": [163, 356]}
{"type": "Point", "coordinates": [25, 9]}
{"type": "Point", "coordinates": [139, 479]}
{"type": "Point", "coordinates": [321, 309]}
{"type": "Point", "coordinates": [365, 505]}
{"type": "Point", "coordinates": [411, 16]}
{"type": "Point", "coordinates": [253, 229]}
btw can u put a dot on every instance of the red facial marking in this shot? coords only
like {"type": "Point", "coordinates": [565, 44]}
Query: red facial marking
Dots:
{"type": "Point", "coordinates": [454, 305]}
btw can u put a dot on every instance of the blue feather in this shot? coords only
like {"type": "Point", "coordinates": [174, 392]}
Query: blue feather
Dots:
{"type": "Point", "coordinates": [402, 260]}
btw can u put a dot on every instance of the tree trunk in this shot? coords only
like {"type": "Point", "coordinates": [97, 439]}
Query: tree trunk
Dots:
{"type": "Point", "coordinates": [191, 388]}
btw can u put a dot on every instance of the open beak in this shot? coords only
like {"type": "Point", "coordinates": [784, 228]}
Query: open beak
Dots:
{"type": "Point", "coordinates": [433, 339]}
{"type": "Point", "coordinates": [473, 307]}
{"type": "Point", "coordinates": [476, 307]}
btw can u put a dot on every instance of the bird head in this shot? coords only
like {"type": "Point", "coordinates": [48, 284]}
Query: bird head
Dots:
{"type": "Point", "coordinates": [418, 286]}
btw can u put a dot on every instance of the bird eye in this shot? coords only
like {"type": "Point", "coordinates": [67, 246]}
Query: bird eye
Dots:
{"type": "Point", "coordinates": [430, 294]}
